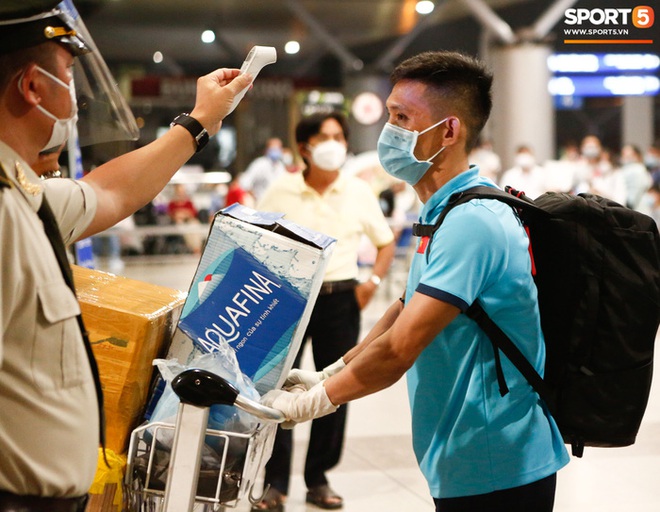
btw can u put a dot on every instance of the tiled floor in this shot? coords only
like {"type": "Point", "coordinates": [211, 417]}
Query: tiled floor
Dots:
{"type": "Point", "coordinates": [378, 471]}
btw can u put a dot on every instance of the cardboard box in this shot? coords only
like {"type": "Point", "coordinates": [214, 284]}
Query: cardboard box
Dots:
{"type": "Point", "coordinates": [255, 288]}
{"type": "Point", "coordinates": [130, 323]}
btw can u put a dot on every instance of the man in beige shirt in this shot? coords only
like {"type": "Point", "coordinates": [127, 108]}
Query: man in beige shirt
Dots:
{"type": "Point", "coordinates": [49, 424]}
{"type": "Point", "coordinates": [344, 207]}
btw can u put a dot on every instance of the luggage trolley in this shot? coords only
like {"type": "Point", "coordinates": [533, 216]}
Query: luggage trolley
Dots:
{"type": "Point", "coordinates": [159, 479]}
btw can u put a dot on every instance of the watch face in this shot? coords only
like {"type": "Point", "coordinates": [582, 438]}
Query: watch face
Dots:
{"type": "Point", "coordinates": [367, 108]}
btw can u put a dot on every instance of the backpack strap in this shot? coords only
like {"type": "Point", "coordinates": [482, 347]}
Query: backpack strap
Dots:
{"type": "Point", "coordinates": [497, 337]}
{"type": "Point", "coordinates": [502, 342]}
{"type": "Point", "coordinates": [512, 197]}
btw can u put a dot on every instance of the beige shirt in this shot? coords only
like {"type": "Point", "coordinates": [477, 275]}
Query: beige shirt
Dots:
{"type": "Point", "coordinates": [346, 211]}
{"type": "Point", "coordinates": [48, 408]}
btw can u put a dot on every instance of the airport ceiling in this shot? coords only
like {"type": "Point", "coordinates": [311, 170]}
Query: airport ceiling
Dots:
{"type": "Point", "coordinates": [334, 35]}
{"type": "Point", "coordinates": [348, 34]}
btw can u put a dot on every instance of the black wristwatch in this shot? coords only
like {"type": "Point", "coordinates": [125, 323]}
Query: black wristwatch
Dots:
{"type": "Point", "coordinates": [195, 128]}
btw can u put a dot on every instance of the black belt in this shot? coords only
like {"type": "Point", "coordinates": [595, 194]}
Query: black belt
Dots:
{"type": "Point", "coordinates": [337, 286]}
{"type": "Point", "coordinates": [15, 503]}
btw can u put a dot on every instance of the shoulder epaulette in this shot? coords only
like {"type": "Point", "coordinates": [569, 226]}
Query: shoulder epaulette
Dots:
{"type": "Point", "coordinates": [5, 182]}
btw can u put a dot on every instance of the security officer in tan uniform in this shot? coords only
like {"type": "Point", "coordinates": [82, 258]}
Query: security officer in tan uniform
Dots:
{"type": "Point", "coordinates": [49, 419]}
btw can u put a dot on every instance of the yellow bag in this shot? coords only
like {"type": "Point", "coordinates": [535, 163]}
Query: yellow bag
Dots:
{"type": "Point", "coordinates": [105, 494]}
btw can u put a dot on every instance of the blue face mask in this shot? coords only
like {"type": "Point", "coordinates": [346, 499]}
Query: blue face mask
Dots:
{"type": "Point", "coordinates": [652, 161]}
{"type": "Point", "coordinates": [396, 148]}
{"type": "Point", "coordinates": [274, 154]}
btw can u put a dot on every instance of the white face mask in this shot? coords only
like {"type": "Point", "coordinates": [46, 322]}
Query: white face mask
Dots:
{"type": "Point", "coordinates": [62, 128]}
{"type": "Point", "coordinates": [525, 160]}
{"type": "Point", "coordinates": [590, 151]}
{"type": "Point", "coordinates": [329, 155]}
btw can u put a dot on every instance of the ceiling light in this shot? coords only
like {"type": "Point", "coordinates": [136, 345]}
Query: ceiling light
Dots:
{"type": "Point", "coordinates": [292, 47]}
{"type": "Point", "coordinates": [158, 57]}
{"type": "Point", "coordinates": [425, 7]}
{"type": "Point", "coordinates": [208, 36]}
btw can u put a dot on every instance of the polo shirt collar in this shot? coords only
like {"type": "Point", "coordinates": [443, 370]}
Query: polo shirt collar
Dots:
{"type": "Point", "coordinates": [440, 198]}
{"type": "Point", "coordinates": [336, 186]}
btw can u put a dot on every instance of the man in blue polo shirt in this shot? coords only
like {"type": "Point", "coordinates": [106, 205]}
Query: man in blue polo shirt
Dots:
{"type": "Point", "coordinates": [478, 451]}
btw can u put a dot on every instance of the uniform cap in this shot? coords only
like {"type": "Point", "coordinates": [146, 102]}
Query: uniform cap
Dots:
{"type": "Point", "coordinates": [27, 23]}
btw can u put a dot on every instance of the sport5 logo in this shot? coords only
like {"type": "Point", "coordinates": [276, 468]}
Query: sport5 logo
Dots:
{"type": "Point", "coordinates": [641, 16]}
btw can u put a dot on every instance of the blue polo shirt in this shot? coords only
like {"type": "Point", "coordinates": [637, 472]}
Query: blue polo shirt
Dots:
{"type": "Point", "coordinates": [467, 438]}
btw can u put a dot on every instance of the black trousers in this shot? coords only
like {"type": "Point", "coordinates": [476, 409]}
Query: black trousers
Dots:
{"type": "Point", "coordinates": [10, 502]}
{"type": "Point", "coordinates": [333, 330]}
{"type": "Point", "coordinates": [538, 496]}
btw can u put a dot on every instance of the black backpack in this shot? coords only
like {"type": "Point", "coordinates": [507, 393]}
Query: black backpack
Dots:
{"type": "Point", "coordinates": [598, 279]}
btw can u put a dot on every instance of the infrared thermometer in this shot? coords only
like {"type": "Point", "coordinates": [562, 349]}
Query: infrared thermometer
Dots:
{"type": "Point", "coordinates": [257, 58]}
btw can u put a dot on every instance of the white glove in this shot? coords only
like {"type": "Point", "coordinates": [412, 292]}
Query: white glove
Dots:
{"type": "Point", "coordinates": [298, 404]}
{"type": "Point", "coordinates": [309, 379]}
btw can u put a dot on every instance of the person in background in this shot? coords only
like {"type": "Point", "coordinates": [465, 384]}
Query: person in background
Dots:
{"type": "Point", "coordinates": [564, 174]}
{"type": "Point", "coordinates": [264, 169]}
{"type": "Point", "coordinates": [489, 162]}
{"type": "Point", "coordinates": [51, 422]}
{"type": "Point", "coordinates": [324, 199]}
{"type": "Point", "coordinates": [589, 164]}
{"type": "Point", "coordinates": [479, 451]}
{"type": "Point", "coordinates": [289, 160]}
{"type": "Point", "coordinates": [596, 174]}
{"type": "Point", "coordinates": [399, 204]}
{"type": "Point", "coordinates": [652, 161]}
{"type": "Point", "coordinates": [227, 194]}
{"type": "Point", "coordinates": [636, 177]}
{"type": "Point", "coordinates": [236, 194]}
{"type": "Point", "coordinates": [650, 204]}
{"type": "Point", "coordinates": [526, 175]}
{"type": "Point", "coordinates": [570, 152]}
{"type": "Point", "coordinates": [182, 211]}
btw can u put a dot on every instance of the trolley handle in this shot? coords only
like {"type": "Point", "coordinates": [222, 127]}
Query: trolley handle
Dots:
{"type": "Point", "coordinates": [203, 388]}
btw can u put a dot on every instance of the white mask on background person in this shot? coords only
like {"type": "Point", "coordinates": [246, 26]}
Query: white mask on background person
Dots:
{"type": "Point", "coordinates": [329, 155]}
{"type": "Point", "coordinates": [287, 159]}
{"type": "Point", "coordinates": [62, 128]}
{"type": "Point", "coordinates": [525, 161]}
{"type": "Point", "coordinates": [590, 151]}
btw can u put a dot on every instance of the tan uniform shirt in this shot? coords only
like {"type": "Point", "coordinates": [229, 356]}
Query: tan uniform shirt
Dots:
{"type": "Point", "coordinates": [48, 408]}
{"type": "Point", "coordinates": [346, 211]}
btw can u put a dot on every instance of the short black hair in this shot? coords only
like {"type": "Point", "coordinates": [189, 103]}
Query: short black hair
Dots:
{"type": "Point", "coordinates": [459, 80]}
{"type": "Point", "coordinates": [637, 150]}
{"type": "Point", "coordinates": [13, 63]}
{"type": "Point", "coordinates": [311, 125]}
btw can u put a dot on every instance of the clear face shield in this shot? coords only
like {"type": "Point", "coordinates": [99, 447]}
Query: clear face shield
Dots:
{"type": "Point", "coordinates": [103, 113]}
